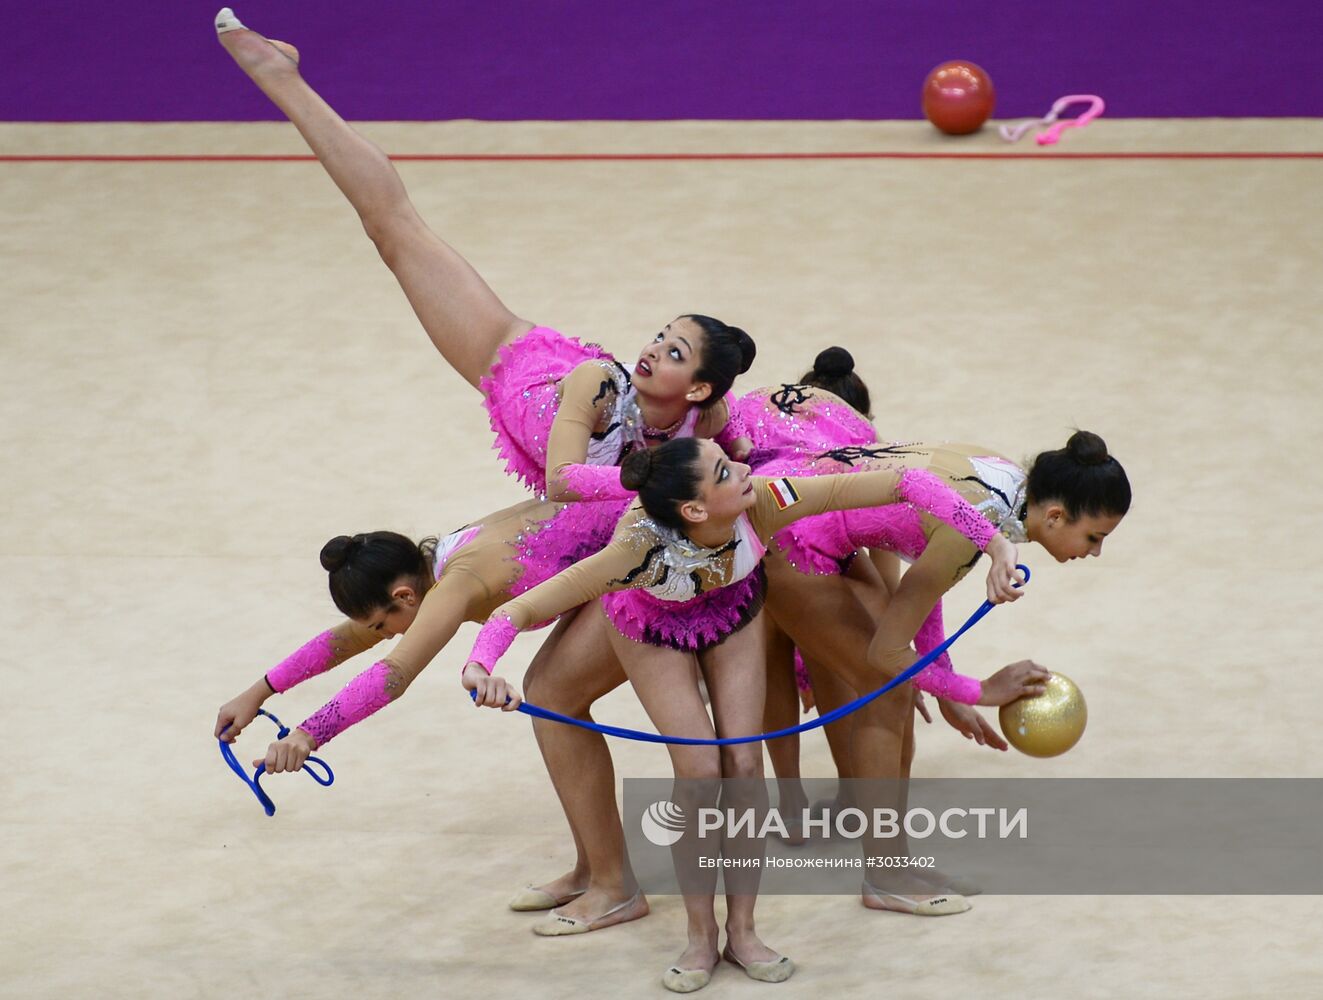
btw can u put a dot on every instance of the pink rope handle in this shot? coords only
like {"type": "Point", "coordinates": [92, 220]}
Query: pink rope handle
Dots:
{"type": "Point", "coordinates": [1096, 107]}
{"type": "Point", "coordinates": [1049, 137]}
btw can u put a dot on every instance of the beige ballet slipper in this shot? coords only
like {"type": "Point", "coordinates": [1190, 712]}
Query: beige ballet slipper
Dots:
{"type": "Point", "coordinates": [778, 970]}
{"type": "Point", "coordinates": [935, 906]}
{"type": "Point", "coordinates": [559, 925]}
{"type": "Point", "coordinates": [679, 980]}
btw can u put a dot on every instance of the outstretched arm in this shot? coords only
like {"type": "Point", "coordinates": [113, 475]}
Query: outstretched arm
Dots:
{"type": "Point", "coordinates": [444, 608]}
{"type": "Point", "coordinates": [785, 500]}
{"type": "Point", "coordinates": [782, 501]}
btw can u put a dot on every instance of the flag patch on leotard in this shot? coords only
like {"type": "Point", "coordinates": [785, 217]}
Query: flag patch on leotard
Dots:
{"type": "Point", "coordinates": [783, 493]}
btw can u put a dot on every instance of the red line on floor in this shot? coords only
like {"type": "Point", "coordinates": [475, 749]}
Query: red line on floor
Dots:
{"type": "Point", "coordinates": [646, 157]}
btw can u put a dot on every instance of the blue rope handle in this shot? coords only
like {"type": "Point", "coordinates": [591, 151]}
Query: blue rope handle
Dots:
{"type": "Point", "coordinates": [255, 782]}
{"type": "Point", "coordinates": [804, 727]}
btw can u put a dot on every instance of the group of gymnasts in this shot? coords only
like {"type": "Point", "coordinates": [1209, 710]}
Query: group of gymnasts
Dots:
{"type": "Point", "coordinates": [727, 556]}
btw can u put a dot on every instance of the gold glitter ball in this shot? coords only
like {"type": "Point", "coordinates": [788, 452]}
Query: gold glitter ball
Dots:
{"type": "Point", "coordinates": [1048, 724]}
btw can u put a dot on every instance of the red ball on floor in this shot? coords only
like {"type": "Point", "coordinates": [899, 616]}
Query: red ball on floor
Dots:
{"type": "Point", "coordinates": [958, 97]}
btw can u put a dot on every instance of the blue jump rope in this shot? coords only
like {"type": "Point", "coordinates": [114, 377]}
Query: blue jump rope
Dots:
{"type": "Point", "coordinates": [637, 734]}
{"type": "Point", "coordinates": [255, 782]}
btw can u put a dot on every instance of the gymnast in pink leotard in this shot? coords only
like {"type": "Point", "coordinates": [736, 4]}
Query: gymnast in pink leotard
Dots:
{"type": "Point", "coordinates": [1070, 500]}
{"type": "Point", "coordinates": [679, 582]}
{"type": "Point", "coordinates": [554, 403]}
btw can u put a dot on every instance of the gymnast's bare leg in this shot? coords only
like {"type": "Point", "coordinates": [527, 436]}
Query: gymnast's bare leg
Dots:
{"type": "Point", "coordinates": [461, 314]}
{"type": "Point", "coordinates": [574, 668]}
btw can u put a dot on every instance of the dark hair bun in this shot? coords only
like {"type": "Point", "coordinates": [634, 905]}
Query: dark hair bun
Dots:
{"type": "Point", "coordinates": [748, 349]}
{"type": "Point", "coordinates": [834, 362]}
{"type": "Point", "coordinates": [636, 469]}
{"type": "Point", "coordinates": [1087, 448]}
{"type": "Point", "coordinates": [335, 553]}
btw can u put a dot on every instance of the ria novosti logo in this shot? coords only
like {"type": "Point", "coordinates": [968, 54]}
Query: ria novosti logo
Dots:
{"type": "Point", "coordinates": [663, 823]}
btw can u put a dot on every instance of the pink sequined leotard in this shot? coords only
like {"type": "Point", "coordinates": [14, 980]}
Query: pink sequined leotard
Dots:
{"type": "Point", "coordinates": [799, 419]}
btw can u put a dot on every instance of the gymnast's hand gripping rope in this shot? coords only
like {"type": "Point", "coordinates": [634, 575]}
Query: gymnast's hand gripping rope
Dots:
{"type": "Point", "coordinates": [822, 720]}
{"type": "Point", "coordinates": [254, 783]}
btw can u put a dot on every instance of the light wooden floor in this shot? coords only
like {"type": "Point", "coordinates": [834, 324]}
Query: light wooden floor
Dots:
{"type": "Point", "coordinates": [205, 372]}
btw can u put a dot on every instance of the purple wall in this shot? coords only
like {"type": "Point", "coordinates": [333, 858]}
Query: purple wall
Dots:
{"type": "Point", "coordinates": [630, 59]}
